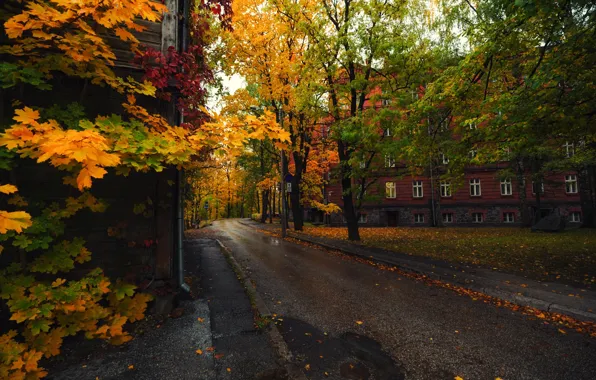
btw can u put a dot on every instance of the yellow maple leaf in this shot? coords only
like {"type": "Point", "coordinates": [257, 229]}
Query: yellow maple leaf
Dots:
{"type": "Point", "coordinates": [26, 116]}
{"type": "Point", "coordinates": [15, 221]}
{"type": "Point", "coordinates": [8, 189]}
{"type": "Point", "coordinates": [199, 351]}
{"type": "Point", "coordinates": [458, 378]}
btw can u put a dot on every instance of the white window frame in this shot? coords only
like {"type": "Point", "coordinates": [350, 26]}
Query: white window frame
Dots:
{"type": "Point", "coordinates": [417, 189]}
{"type": "Point", "coordinates": [385, 102]}
{"type": "Point", "coordinates": [508, 217]}
{"type": "Point", "coordinates": [362, 164]}
{"type": "Point", "coordinates": [444, 126]}
{"type": "Point", "coordinates": [363, 219]}
{"type": "Point", "coordinates": [506, 187]}
{"type": "Point", "coordinates": [387, 132]}
{"type": "Point", "coordinates": [444, 159]}
{"type": "Point", "coordinates": [390, 190]}
{"type": "Point", "coordinates": [472, 126]}
{"type": "Point", "coordinates": [534, 187]}
{"type": "Point", "coordinates": [445, 189]}
{"type": "Point", "coordinates": [418, 218]}
{"type": "Point", "coordinates": [475, 220]}
{"type": "Point", "coordinates": [569, 149]}
{"type": "Point", "coordinates": [575, 217]}
{"type": "Point", "coordinates": [475, 187]}
{"type": "Point", "coordinates": [571, 184]}
{"type": "Point", "coordinates": [472, 153]}
{"type": "Point", "coordinates": [447, 217]}
{"type": "Point", "coordinates": [389, 161]}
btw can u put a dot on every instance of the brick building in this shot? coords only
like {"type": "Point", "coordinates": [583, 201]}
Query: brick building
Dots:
{"type": "Point", "coordinates": [482, 197]}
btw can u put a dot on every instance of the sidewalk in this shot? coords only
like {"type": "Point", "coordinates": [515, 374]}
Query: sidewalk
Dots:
{"type": "Point", "coordinates": [220, 323]}
{"type": "Point", "coordinates": [551, 297]}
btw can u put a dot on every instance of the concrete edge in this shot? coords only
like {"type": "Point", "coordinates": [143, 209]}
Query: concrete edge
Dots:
{"type": "Point", "coordinates": [277, 341]}
{"type": "Point", "coordinates": [515, 298]}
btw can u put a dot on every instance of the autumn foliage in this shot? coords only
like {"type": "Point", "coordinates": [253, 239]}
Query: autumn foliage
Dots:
{"type": "Point", "coordinates": [45, 42]}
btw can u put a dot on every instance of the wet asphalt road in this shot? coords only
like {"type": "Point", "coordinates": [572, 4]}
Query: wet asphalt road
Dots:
{"type": "Point", "coordinates": [409, 330]}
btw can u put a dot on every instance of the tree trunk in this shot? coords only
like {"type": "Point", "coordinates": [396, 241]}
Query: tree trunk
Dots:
{"type": "Point", "coordinates": [521, 188]}
{"type": "Point", "coordinates": [297, 209]}
{"type": "Point", "coordinates": [264, 202]}
{"type": "Point", "coordinates": [270, 198]}
{"type": "Point", "coordinates": [347, 196]}
{"type": "Point", "coordinates": [587, 193]}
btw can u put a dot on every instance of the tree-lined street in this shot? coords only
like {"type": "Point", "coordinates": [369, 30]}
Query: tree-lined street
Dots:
{"type": "Point", "coordinates": [321, 300]}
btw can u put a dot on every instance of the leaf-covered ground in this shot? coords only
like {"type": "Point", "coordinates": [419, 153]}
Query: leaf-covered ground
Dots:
{"type": "Point", "coordinates": [568, 256]}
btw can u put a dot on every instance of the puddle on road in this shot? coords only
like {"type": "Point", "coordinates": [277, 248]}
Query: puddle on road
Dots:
{"type": "Point", "coordinates": [350, 356]}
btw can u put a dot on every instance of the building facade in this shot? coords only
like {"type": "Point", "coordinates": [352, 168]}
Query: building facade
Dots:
{"type": "Point", "coordinates": [481, 198]}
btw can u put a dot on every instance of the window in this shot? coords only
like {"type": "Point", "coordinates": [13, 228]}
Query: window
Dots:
{"type": "Point", "coordinates": [390, 190]}
{"type": "Point", "coordinates": [385, 102]}
{"type": "Point", "coordinates": [444, 159]}
{"type": "Point", "coordinates": [417, 190]}
{"type": "Point", "coordinates": [389, 161]}
{"type": "Point", "coordinates": [447, 218]}
{"type": "Point", "coordinates": [362, 218]}
{"type": "Point", "coordinates": [571, 184]}
{"type": "Point", "coordinates": [418, 218]}
{"type": "Point", "coordinates": [444, 126]}
{"type": "Point", "coordinates": [575, 217]}
{"type": "Point", "coordinates": [472, 154]}
{"type": "Point", "coordinates": [445, 189]}
{"type": "Point", "coordinates": [508, 217]}
{"type": "Point", "coordinates": [535, 187]}
{"type": "Point", "coordinates": [475, 187]}
{"type": "Point", "coordinates": [362, 164]}
{"type": "Point", "coordinates": [472, 126]}
{"type": "Point", "coordinates": [387, 132]}
{"type": "Point", "coordinates": [477, 217]}
{"type": "Point", "coordinates": [569, 149]}
{"type": "Point", "coordinates": [506, 187]}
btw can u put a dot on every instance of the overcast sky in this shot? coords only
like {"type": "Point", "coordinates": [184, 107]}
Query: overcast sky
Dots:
{"type": "Point", "coordinates": [231, 84]}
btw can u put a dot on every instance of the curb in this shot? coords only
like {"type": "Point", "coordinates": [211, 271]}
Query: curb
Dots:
{"type": "Point", "coordinates": [277, 341]}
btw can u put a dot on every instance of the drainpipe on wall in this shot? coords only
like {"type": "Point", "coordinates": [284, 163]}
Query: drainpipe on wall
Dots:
{"type": "Point", "coordinates": [183, 9]}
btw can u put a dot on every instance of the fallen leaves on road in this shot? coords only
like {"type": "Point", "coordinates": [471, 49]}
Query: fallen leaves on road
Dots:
{"type": "Point", "coordinates": [210, 349]}
{"type": "Point", "coordinates": [229, 369]}
{"type": "Point", "coordinates": [307, 367]}
{"type": "Point", "coordinates": [131, 366]}
{"type": "Point", "coordinates": [359, 322]}
{"type": "Point", "coordinates": [218, 356]}
{"type": "Point", "coordinates": [201, 320]}
{"type": "Point", "coordinates": [557, 319]}
{"type": "Point", "coordinates": [199, 351]}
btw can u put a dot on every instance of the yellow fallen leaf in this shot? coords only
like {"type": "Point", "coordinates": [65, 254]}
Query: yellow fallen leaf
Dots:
{"type": "Point", "coordinates": [458, 378]}
{"type": "Point", "coordinates": [131, 366]}
{"type": "Point", "coordinates": [359, 322]}
{"type": "Point", "coordinates": [562, 331]}
{"type": "Point", "coordinates": [201, 320]}
{"type": "Point", "coordinates": [229, 369]}
{"type": "Point", "coordinates": [307, 367]}
{"type": "Point", "coordinates": [199, 351]}
{"type": "Point", "coordinates": [8, 189]}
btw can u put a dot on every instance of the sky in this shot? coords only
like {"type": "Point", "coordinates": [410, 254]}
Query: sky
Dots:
{"type": "Point", "coordinates": [231, 84]}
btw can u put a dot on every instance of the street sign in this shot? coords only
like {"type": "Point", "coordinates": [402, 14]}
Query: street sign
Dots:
{"type": "Point", "coordinates": [206, 205]}
{"type": "Point", "coordinates": [288, 187]}
{"type": "Point", "coordinates": [288, 177]}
